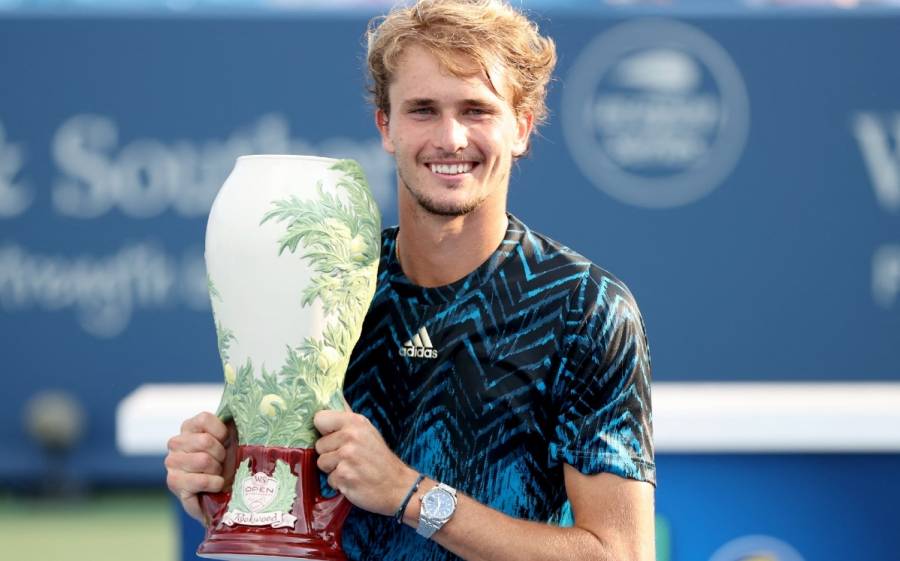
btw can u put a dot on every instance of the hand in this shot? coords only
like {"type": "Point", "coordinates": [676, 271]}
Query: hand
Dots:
{"type": "Point", "coordinates": [194, 462]}
{"type": "Point", "coordinates": [359, 463]}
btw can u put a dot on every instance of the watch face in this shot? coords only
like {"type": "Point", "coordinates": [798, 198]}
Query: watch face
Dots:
{"type": "Point", "coordinates": [438, 504]}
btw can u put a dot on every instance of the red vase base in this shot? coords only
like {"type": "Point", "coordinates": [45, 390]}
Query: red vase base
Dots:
{"type": "Point", "coordinates": [315, 535]}
{"type": "Point", "coordinates": [249, 547]}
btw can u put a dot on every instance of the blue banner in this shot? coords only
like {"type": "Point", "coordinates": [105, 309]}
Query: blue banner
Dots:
{"type": "Point", "coordinates": [747, 191]}
{"type": "Point", "coordinates": [740, 174]}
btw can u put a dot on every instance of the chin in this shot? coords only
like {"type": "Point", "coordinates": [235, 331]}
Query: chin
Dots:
{"type": "Point", "coordinates": [443, 200]}
{"type": "Point", "coordinates": [448, 209]}
{"type": "Point", "coordinates": [444, 207]}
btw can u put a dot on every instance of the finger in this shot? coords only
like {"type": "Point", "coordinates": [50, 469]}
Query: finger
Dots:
{"type": "Point", "coordinates": [334, 484]}
{"type": "Point", "coordinates": [202, 442]}
{"type": "Point", "coordinates": [185, 485]}
{"type": "Point", "coordinates": [328, 421]}
{"type": "Point", "coordinates": [326, 444]}
{"type": "Point", "coordinates": [191, 505]}
{"type": "Point", "coordinates": [327, 462]}
{"type": "Point", "coordinates": [198, 462]}
{"type": "Point", "coordinates": [333, 441]}
{"type": "Point", "coordinates": [206, 422]}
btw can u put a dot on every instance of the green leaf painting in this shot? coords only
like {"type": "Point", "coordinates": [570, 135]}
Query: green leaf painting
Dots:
{"type": "Point", "coordinates": [224, 338]}
{"type": "Point", "coordinates": [213, 293]}
{"type": "Point", "coordinates": [287, 483]}
{"type": "Point", "coordinates": [337, 233]}
{"type": "Point", "coordinates": [237, 498]}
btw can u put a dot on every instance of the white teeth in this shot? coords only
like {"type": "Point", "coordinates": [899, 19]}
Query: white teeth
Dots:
{"type": "Point", "coordinates": [451, 169]}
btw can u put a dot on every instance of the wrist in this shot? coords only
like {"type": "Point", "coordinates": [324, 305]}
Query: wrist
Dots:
{"type": "Point", "coordinates": [411, 514]}
{"type": "Point", "coordinates": [437, 507]}
{"type": "Point", "coordinates": [408, 491]}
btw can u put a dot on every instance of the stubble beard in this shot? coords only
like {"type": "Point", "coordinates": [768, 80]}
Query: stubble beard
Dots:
{"type": "Point", "coordinates": [431, 206]}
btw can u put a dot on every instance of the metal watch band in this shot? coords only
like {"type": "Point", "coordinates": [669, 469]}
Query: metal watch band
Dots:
{"type": "Point", "coordinates": [428, 526]}
{"type": "Point", "coordinates": [426, 529]}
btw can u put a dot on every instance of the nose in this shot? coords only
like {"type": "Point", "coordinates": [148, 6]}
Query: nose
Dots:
{"type": "Point", "coordinates": [450, 135]}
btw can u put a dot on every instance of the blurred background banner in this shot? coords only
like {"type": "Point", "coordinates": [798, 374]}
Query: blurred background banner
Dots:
{"type": "Point", "coordinates": [740, 171]}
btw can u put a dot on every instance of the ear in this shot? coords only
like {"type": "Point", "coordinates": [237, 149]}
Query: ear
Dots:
{"type": "Point", "coordinates": [524, 125]}
{"type": "Point", "coordinates": [382, 123]}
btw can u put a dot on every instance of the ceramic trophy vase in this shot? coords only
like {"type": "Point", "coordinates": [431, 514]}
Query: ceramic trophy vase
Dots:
{"type": "Point", "coordinates": [292, 250]}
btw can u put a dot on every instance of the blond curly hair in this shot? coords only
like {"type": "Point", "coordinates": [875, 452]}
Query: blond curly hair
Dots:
{"type": "Point", "coordinates": [459, 33]}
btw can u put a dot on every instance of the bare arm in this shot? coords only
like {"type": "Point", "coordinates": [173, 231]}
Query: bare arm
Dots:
{"type": "Point", "coordinates": [613, 521]}
{"type": "Point", "coordinates": [613, 516]}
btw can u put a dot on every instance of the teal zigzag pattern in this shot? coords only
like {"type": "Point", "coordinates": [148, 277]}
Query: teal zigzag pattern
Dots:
{"type": "Point", "coordinates": [542, 360]}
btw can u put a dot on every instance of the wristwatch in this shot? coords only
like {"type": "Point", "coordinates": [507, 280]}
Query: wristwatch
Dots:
{"type": "Point", "coordinates": [438, 506]}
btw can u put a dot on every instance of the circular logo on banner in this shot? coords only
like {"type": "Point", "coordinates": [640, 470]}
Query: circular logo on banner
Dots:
{"type": "Point", "coordinates": [655, 113]}
{"type": "Point", "coordinates": [756, 548]}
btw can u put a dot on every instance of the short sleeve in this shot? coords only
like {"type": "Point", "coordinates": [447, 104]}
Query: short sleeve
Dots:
{"type": "Point", "coordinates": [602, 387]}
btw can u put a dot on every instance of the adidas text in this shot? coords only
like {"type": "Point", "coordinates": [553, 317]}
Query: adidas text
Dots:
{"type": "Point", "coordinates": [421, 352]}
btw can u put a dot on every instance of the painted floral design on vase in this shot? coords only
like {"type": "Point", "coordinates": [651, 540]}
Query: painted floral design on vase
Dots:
{"type": "Point", "coordinates": [292, 250]}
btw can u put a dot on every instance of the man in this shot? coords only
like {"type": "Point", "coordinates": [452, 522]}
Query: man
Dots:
{"type": "Point", "coordinates": [505, 368]}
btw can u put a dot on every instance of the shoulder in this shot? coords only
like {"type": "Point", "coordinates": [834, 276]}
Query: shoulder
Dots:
{"type": "Point", "coordinates": [592, 288]}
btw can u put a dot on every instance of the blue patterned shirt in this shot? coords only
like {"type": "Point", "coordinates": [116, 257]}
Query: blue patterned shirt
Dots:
{"type": "Point", "coordinates": [490, 384]}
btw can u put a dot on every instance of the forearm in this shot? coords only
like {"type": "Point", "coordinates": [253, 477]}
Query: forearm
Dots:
{"type": "Point", "coordinates": [479, 533]}
{"type": "Point", "coordinates": [614, 516]}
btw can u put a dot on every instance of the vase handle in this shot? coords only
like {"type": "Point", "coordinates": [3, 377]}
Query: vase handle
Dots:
{"type": "Point", "coordinates": [329, 513]}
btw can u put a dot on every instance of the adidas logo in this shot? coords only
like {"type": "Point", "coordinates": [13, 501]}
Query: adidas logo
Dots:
{"type": "Point", "coordinates": [419, 346]}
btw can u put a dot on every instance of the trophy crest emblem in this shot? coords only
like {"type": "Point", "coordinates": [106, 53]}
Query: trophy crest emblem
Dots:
{"type": "Point", "coordinates": [262, 500]}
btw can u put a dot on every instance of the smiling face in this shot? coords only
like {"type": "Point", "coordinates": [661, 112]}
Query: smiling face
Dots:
{"type": "Point", "coordinates": [454, 138]}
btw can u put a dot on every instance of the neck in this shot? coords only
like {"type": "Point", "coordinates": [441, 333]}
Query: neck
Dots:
{"type": "Point", "coordinates": [438, 250]}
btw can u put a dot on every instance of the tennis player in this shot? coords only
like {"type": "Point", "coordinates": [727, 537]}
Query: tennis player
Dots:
{"type": "Point", "coordinates": [501, 387]}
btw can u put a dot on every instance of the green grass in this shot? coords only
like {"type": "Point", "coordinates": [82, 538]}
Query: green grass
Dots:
{"type": "Point", "coordinates": [105, 527]}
